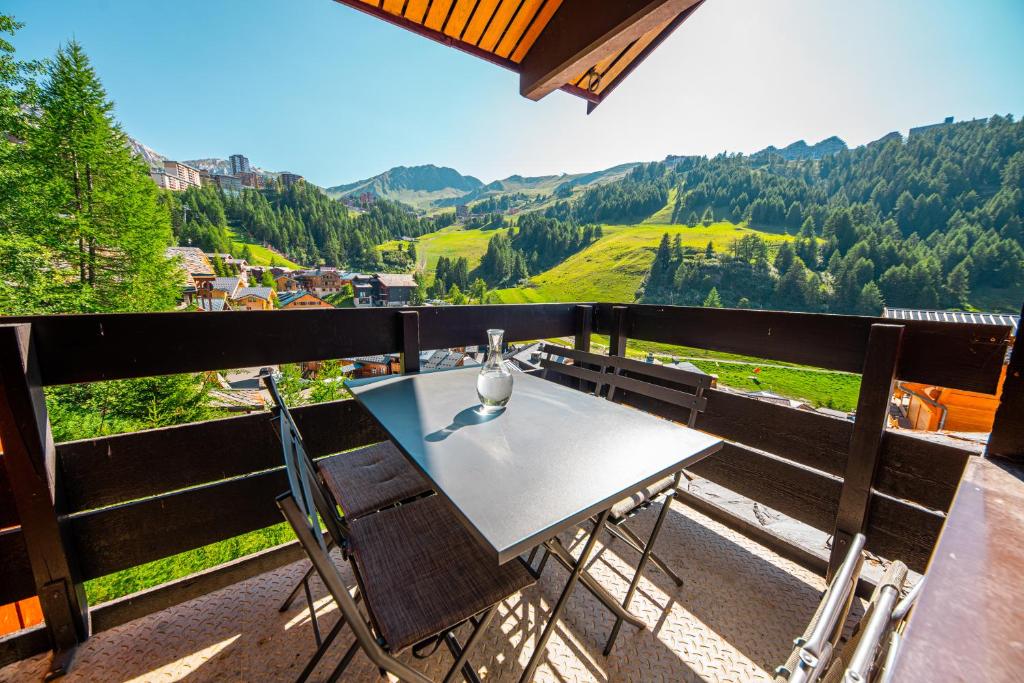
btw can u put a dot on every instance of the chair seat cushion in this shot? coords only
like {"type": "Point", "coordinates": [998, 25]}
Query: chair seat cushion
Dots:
{"type": "Point", "coordinates": [627, 505]}
{"type": "Point", "coordinates": [423, 573]}
{"type": "Point", "coordinates": [370, 479]}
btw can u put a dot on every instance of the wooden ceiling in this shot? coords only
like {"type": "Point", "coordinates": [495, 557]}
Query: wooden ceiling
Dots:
{"type": "Point", "coordinates": [584, 47]}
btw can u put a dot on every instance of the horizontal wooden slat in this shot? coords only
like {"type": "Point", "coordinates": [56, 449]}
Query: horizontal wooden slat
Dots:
{"type": "Point", "coordinates": [128, 535]}
{"type": "Point", "coordinates": [899, 531]}
{"type": "Point", "coordinates": [803, 494]}
{"type": "Point", "coordinates": [920, 471]}
{"type": "Point", "coordinates": [808, 438]}
{"type": "Point", "coordinates": [447, 326]}
{"type": "Point", "coordinates": [122, 610]}
{"type": "Point", "coordinates": [656, 391]}
{"type": "Point", "coordinates": [123, 345]}
{"type": "Point", "coordinates": [116, 469]}
{"type": "Point", "coordinates": [946, 354]}
{"type": "Point", "coordinates": [896, 530]}
{"type": "Point", "coordinates": [16, 582]}
{"type": "Point", "coordinates": [23, 644]}
{"type": "Point", "coordinates": [577, 371]}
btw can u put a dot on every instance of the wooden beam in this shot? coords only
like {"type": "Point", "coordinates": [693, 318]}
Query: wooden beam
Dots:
{"type": "Point", "coordinates": [583, 32]}
{"type": "Point", "coordinates": [129, 607]}
{"type": "Point", "coordinates": [410, 341]}
{"type": "Point", "coordinates": [951, 355]}
{"type": "Point", "coordinates": [879, 373]}
{"type": "Point", "coordinates": [639, 59]}
{"type": "Point", "coordinates": [30, 461]}
{"type": "Point", "coordinates": [584, 327]}
{"type": "Point", "coordinates": [117, 469]}
{"type": "Point", "coordinates": [1007, 439]}
{"type": "Point", "coordinates": [618, 331]}
{"type": "Point", "coordinates": [124, 345]}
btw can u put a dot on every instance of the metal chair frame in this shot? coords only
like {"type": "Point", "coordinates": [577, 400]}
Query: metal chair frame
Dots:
{"type": "Point", "coordinates": [303, 583]}
{"type": "Point", "coordinates": [611, 372]}
{"type": "Point", "coordinates": [305, 506]}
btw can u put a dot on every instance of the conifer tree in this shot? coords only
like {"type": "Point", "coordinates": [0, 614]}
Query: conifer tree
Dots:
{"type": "Point", "coordinates": [98, 207]}
{"type": "Point", "coordinates": [713, 300]}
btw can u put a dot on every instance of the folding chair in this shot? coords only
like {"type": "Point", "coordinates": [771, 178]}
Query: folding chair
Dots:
{"type": "Point", "coordinates": [380, 478]}
{"type": "Point", "coordinates": [419, 574]}
{"type": "Point", "coordinates": [870, 652]}
{"type": "Point", "coordinates": [621, 379]}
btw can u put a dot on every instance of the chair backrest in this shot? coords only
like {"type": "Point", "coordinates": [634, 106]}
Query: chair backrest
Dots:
{"type": "Point", "coordinates": [625, 376]}
{"type": "Point", "coordinates": [304, 484]}
{"type": "Point", "coordinates": [814, 650]}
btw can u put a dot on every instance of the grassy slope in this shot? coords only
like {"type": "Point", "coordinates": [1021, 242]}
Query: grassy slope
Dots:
{"type": "Point", "coordinates": [261, 256]}
{"type": "Point", "coordinates": [819, 387]}
{"type": "Point", "coordinates": [452, 242]}
{"type": "Point", "coordinates": [613, 268]}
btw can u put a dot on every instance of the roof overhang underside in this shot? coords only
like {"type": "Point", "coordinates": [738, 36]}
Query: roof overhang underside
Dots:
{"type": "Point", "coordinates": [584, 47]}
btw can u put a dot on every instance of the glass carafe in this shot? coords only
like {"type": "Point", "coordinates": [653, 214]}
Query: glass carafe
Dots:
{"type": "Point", "coordinates": [494, 383]}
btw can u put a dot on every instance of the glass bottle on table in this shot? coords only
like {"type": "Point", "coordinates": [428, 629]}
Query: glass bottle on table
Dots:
{"type": "Point", "coordinates": [494, 383]}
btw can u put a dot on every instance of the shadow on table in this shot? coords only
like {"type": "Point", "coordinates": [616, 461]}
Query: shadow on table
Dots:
{"type": "Point", "coordinates": [468, 417]}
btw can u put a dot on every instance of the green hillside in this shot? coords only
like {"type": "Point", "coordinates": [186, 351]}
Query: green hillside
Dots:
{"type": "Point", "coordinates": [261, 256]}
{"type": "Point", "coordinates": [451, 242]}
{"type": "Point", "coordinates": [613, 268]}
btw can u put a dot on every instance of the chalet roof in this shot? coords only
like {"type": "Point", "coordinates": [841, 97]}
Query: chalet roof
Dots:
{"type": "Point", "coordinates": [440, 359]}
{"type": "Point", "coordinates": [227, 284]}
{"type": "Point", "coordinates": [261, 292]}
{"type": "Point", "coordinates": [964, 317]}
{"type": "Point", "coordinates": [288, 297]}
{"type": "Point", "coordinates": [212, 304]}
{"type": "Point", "coordinates": [193, 259]}
{"type": "Point", "coordinates": [396, 279]}
{"type": "Point", "coordinates": [380, 359]}
{"type": "Point", "coordinates": [584, 47]}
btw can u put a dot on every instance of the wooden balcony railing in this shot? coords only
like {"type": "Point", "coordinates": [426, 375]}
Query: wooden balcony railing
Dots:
{"type": "Point", "coordinates": [79, 510]}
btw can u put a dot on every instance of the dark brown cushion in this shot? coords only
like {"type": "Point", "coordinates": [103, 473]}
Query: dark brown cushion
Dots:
{"type": "Point", "coordinates": [370, 479]}
{"type": "Point", "coordinates": [423, 573]}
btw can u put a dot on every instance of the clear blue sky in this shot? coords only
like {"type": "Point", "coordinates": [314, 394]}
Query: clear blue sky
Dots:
{"type": "Point", "coordinates": [320, 89]}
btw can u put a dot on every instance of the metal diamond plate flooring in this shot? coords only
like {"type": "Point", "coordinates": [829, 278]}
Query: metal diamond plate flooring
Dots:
{"type": "Point", "coordinates": [733, 620]}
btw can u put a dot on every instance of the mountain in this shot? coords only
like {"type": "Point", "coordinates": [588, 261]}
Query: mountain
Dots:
{"type": "Point", "coordinates": [422, 187]}
{"type": "Point", "coordinates": [800, 150]}
{"type": "Point", "coordinates": [151, 157]}
{"type": "Point", "coordinates": [432, 187]}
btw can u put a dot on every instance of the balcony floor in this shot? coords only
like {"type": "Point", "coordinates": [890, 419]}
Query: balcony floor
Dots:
{"type": "Point", "coordinates": [733, 620]}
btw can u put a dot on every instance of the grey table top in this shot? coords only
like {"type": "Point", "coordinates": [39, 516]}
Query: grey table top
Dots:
{"type": "Point", "coordinates": [551, 459]}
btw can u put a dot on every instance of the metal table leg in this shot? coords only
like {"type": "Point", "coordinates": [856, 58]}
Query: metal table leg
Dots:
{"type": "Point", "coordinates": [574, 576]}
{"type": "Point", "coordinates": [562, 555]}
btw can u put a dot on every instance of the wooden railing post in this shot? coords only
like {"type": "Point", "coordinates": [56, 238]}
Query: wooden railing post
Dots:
{"type": "Point", "coordinates": [1007, 438]}
{"type": "Point", "coordinates": [410, 341]}
{"type": "Point", "coordinates": [30, 459]}
{"type": "Point", "coordinates": [619, 333]}
{"type": "Point", "coordinates": [880, 363]}
{"type": "Point", "coordinates": [584, 326]}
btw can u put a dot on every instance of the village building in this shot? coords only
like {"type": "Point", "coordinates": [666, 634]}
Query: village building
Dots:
{"type": "Point", "coordinates": [934, 408]}
{"type": "Point", "coordinates": [393, 289]}
{"type": "Point", "coordinates": [375, 366]}
{"type": "Point", "coordinates": [254, 299]}
{"type": "Point", "coordinates": [301, 299]}
{"type": "Point", "coordinates": [225, 287]}
{"type": "Point", "coordinates": [286, 283]}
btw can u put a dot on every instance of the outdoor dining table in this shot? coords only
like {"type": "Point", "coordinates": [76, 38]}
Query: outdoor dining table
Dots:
{"type": "Point", "coordinates": [551, 459]}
